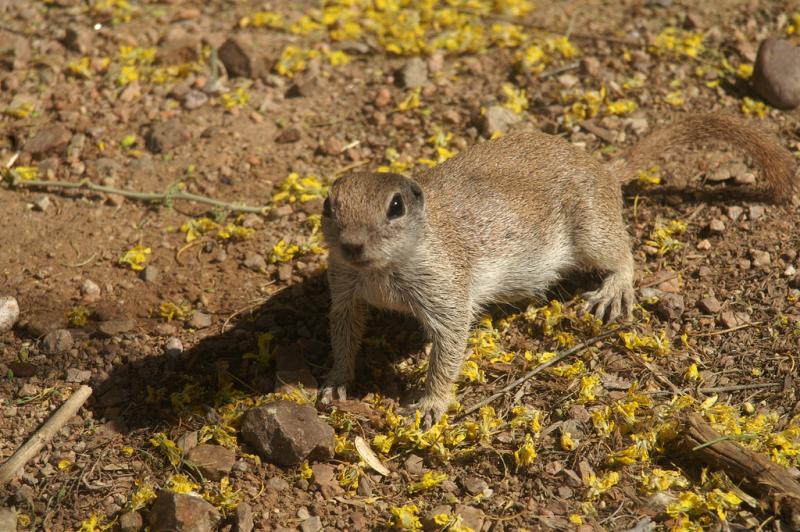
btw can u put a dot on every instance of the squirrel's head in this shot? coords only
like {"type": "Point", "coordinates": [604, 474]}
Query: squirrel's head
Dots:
{"type": "Point", "coordinates": [373, 220]}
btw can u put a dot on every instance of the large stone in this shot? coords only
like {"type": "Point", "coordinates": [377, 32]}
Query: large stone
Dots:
{"type": "Point", "coordinates": [49, 139]}
{"type": "Point", "coordinates": [498, 118]}
{"type": "Point", "coordinates": [287, 433]}
{"type": "Point", "coordinates": [213, 461]}
{"type": "Point", "coordinates": [776, 74]}
{"type": "Point", "coordinates": [9, 313]}
{"type": "Point", "coordinates": [243, 57]}
{"type": "Point", "coordinates": [178, 512]}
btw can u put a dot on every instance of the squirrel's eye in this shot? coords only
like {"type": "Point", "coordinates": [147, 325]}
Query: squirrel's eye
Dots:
{"type": "Point", "coordinates": [396, 207]}
{"type": "Point", "coordinates": [326, 208]}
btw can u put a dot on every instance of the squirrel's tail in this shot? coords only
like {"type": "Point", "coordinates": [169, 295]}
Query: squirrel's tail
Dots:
{"type": "Point", "coordinates": [777, 164]}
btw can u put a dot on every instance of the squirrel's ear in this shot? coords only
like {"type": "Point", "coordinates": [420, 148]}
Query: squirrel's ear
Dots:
{"type": "Point", "coordinates": [416, 189]}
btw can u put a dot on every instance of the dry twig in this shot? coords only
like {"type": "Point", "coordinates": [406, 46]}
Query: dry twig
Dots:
{"type": "Point", "coordinates": [45, 433]}
{"type": "Point", "coordinates": [538, 369]}
{"type": "Point", "coordinates": [764, 477]}
{"type": "Point", "coordinates": [155, 197]}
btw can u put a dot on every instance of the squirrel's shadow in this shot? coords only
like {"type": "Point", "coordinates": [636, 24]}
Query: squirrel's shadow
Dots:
{"type": "Point", "coordinates": [279, 345]}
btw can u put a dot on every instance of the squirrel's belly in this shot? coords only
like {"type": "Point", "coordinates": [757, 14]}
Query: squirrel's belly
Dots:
{"type": "Point", "coordinates": [526, 276]}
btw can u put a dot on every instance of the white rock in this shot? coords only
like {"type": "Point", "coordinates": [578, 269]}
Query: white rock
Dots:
{"type": "Point", "coordinates": [9, 313]}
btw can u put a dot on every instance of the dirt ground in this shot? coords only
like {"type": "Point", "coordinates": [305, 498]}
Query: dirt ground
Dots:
{"type": "Point", "coordinates": [178, 341]}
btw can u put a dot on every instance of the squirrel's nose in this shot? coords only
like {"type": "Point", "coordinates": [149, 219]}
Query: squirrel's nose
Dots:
{"type": "Point", "coordinates": [352, 250]}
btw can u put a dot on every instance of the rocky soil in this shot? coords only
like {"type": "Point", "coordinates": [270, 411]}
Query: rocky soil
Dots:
{"type": "Point", "coordinates": [201, 327]}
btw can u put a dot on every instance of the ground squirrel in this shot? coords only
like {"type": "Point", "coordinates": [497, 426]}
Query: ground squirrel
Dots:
{"type": "Point", "coordinates": [500, 222]}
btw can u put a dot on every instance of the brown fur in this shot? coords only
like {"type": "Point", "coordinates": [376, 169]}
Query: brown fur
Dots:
{"type": "Point", "coordinates": [501, 221]}
{"type": "Point", "coordinates": [777, 164]}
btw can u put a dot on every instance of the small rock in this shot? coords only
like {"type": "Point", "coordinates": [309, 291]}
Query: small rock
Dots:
{"type": "Point", "coordinates": [9, 313]}
{"type": "Point", "coordinates": [8, 519]}
{"type": "Point", "coordinates": [734, 319]}
{"type": "Point", "coordinates": [734, 212]}
{"type": "Point", "coordinates": [303, 86]}
{"type": "Point", "coordinates": [790, 271]}
{"type": "Point", "coordinates": [312, 524]}
{"type": "Point", "coordinates": [280, 212]}
{"type": "Point", "coordinates": [199, 320]}
{"type": "Point", "coordinates": [716, 226]}
{"type": "Point", "coordinates": [173, 347]}
{"type": "Point", "coordinates": [670, 307]}
{"type": "Point", "coordinates": [179, 48]}
{"type": "Point", "coordinates": [429, 520]}
{"type": "Point", "coordinates": [568, 80]}
{"type": "Point", "coordinates": [436, 62]}
{"type": "Point", "coordinates": [285, 271]}
{"type": "Point", "coordinates": [42, 203]}
{"type": "Point", "coordinates": [288, 136]}
{"type": "Point", "coordinates": [709, 305]}
{"type": "Point", "coordinates": [382, 98]}
{"type": "Point", "coordinates": [590, 66]}
{"type": "Point", "coordinates": [498, 118]}
{"type": "Point", "coordinates": [303, 513]}
{"type": "Point", "coordinates": [364, 486]}
{"type": "Point", "coordinates": [704, 245]}
{"type": "Point", "coordinates": [723, 173]}
{"type": "Point", "coordinates": [213, 461]}
{"type": "Point", "coordinates": [670, 286]}
{"type": "Point", "coordinates": [278, 484]}
{"type": "Point", "coordinates": [244, 58]}
{"type": "Point", "coordinates": [255, 262]}
{"type": "Point", "coordinates": [243, 518]}
{"type": "Point", "coordinates": [130, 522]}
{"type": "Point", "coordinates": [252, 220]}
{"type": "Point", "coordinates": [78, 375]}
{"type": "Point", "coordinates": [325, 478]}
{"type": "Point", "coordinates": [150, 274]}
{"type": "Point", "coordinates": [194, 99]}
{"type": "Point", "coordinates": [313, 206]}
{"type": "Point", "coordinates": [58, 341]}
{"type": "Point", "coordinates": [78, 39]}
{"type": "Point", "coordinates": [287, 433]}
{"type": "Point", "coordinates": [475, 485]}
{"type": "Point", "coordinates": [90, 291]}
{"type": "Point", "coordinates": [115, 327]}
{"type": "Point", "coordinates": [163, 137]}
{"type": "Point", "coordinates": [413, 465]}
{"type": "Point", "coordinates": [747, 178]}
{"type": "Point", "coordinates": [639, 124]}
{"type": "Point", "coordinates": [180, 511]}
{"type": "Point", "coordinates": [776, 74]}
{"type": "Point", "coordinates": [414, 73]}
{"type": "Point", "coordinates": [761, 259]}
{"type": "Point", "coordinates": [187, 441]}
{"type": "Point", "coordinates": [754, 212]}
{"type": "Point", "coordinates": [472, 517]}
{"type": "Point", "coordinates": [49, 139]}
